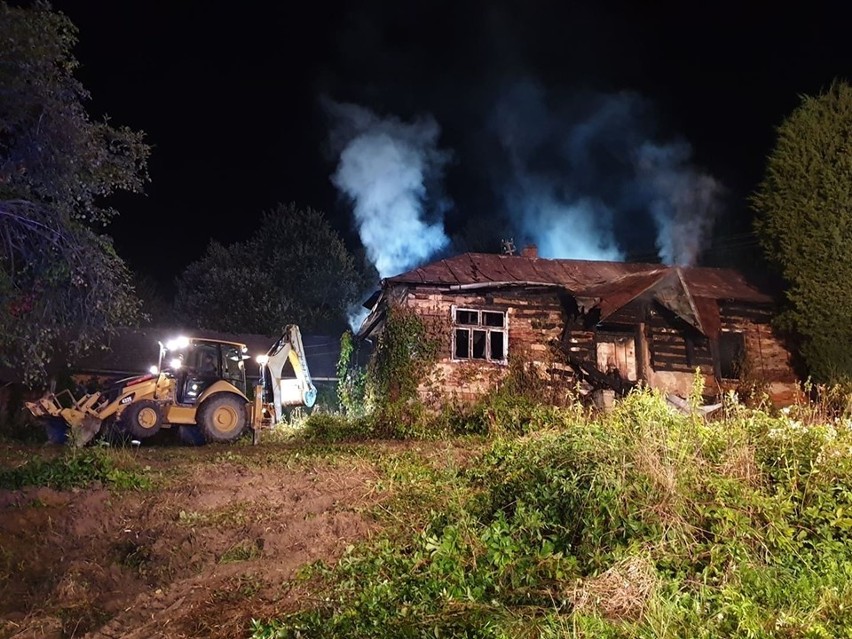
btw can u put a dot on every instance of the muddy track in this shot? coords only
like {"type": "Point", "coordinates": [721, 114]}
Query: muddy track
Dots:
{"type": "Point", "coordinates": [215, 545]}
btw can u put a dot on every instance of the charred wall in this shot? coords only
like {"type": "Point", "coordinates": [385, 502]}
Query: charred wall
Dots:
{"type": "Point", "coordinates": [766, 359]}
{"type": "Point", "coordinates": [540, 322]}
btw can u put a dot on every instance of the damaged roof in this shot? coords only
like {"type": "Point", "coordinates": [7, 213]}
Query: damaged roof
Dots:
{"type": "Point", "coordinates": [582, 277]}
{"type": "Point", "coordinates": [692, 293]}
{"type": "Point", "coordinates": [480, 268]}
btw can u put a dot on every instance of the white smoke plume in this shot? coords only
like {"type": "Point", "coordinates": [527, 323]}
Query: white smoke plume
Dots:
{"type": "Point", "coordinates": [685, 202]}
{"type": "Point", "coordinates": [587, 177]}
{"type": "Point", "coordinates": [579, 229]}
{"type": "Point", "coordinates": [391, 171]}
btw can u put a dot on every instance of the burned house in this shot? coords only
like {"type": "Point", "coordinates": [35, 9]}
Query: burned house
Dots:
{"type": "Point", "coordinates": [589, 319]}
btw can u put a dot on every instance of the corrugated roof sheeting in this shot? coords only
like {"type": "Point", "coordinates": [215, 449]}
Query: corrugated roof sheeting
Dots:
{"type": "Point", "coordinates": [692, 292]}
{"type": "Point", "coordinates": [581, 276]}
{"type": "Point", "coordinates": [708, 311]}
{"type": "Point", "coordinates": [722, 283]}
{"type": "Point", "coordinates": [615, 294]}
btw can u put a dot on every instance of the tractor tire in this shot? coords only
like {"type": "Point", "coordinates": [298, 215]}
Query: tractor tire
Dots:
{"type": "Point", "coordinates": [191, 435]}
{"type": "Point", "coordinates": [222, 418]}
{"type": "Point", "coordinates": [142, 419]}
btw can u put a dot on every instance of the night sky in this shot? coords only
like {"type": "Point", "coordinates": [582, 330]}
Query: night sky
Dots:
{"type": "Point", "coordinates": [230, 96]}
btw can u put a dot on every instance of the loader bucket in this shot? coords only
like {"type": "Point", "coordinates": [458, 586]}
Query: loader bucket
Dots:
{"type": "Point", "coordinates": [76, 432]}
{"type": "Point", "coordinates": [81, 424]}
{"type": "Point", "coordinates": [85, 432]}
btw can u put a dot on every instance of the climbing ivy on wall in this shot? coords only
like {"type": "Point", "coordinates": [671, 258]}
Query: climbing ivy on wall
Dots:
{"type": "Point", "coordinates": [404, 354]}
{"type": "Point", "coordinates": [351, 377]}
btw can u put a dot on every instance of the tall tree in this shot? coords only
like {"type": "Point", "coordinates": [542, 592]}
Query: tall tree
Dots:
{"type": "Point", "coordinates": [294, 269]}
{"type": "Point", "coordinates": [804, 222]}
{"type": "Point", "coordinates": [61, 282]}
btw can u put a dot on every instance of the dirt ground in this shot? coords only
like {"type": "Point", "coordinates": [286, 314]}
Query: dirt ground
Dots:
{"type": "Point", "coordinates": [213, 545]}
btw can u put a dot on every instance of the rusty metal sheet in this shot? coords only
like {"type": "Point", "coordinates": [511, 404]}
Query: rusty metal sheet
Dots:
{"type": "Point", "coordinates": [492, 270]}
{"type": "Point", "coordinates": [708, 312]}
{"type": "Point", "coordinates": [521, 268]}
{"type": "Point", "coordinates": [619, 292]}
{"type": "Point", "coordinates": [480, 267]}
{"type": "Point", "coordinates": [672, 293]}
{"type": "Point", "coordinates": [616, 283]}
{"type": "Point", "coordinates": [720, 284]}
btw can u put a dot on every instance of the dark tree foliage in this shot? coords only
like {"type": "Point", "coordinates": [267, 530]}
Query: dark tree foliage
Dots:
{"type": "Point", "coordinates": [294, 269]}
{"type": "Point", "coordinates": [804, 222]}
{"type": "Point", "coordinates": [61, 282]}
{"type": "Point", "coordinates": [156, 304]}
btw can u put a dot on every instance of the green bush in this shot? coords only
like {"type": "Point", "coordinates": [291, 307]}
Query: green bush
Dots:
{"type": "Point", "coordinates": [639, 523]}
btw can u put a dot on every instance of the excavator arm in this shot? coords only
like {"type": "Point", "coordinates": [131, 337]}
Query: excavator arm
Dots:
{"type": "Point", "coordinates": [298, 391]}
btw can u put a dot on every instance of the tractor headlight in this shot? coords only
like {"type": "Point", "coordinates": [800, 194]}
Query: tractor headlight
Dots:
{"type": "Point", "coordinates": [177, 343]}
{"type": "Point", "coordinates": [153, 370]}
{"type": "Point", "coordinates": [175, 363]}
{"type": "Point", "coordinates": [262, 359]}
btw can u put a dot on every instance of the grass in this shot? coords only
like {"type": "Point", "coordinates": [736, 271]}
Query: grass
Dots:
{"type": "Point", "coordinates": [640, 523]}
{"type": "Point", "coordinates": [233, 514]}
{"type": "Point", "coordinates": [78, 468]}
{"type": "Point", "coordinates": [243, 550]}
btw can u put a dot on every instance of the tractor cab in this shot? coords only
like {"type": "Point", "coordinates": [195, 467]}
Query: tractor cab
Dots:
{"type": "Point", "coordinates": [196, 364]}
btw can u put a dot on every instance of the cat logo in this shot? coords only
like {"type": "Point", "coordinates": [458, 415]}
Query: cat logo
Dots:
{"type": "Point", "coordinates": [128, 399]}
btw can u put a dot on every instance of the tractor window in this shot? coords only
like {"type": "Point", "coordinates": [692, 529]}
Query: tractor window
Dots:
{"type": "Point", "coordinates": [207, 360]}
{"type": "Point", "coordinates": [232, 359]}
{"type": "Point", "coordinates": [201, 368]}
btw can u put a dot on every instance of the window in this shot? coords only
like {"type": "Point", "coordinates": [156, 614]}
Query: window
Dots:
{"type": "Point", "coordinates": [233, 364]}
{"type": "Point", "coordinates": [479, 334]}
{"type": "Point", "coordinates": [731, 354]}
{"type": "Point", "coordinates": [617, 354]}
{"type": "Point", "coordinates": [206, 360]}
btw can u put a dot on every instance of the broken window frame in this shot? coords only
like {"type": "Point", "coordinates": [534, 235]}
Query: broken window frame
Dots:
{"type": "Point", "coordinates": [731, 370]}
{"type": "Point", "coordinates": [470, 321]}
{"type": "Point", "coordinates": [617, 335]}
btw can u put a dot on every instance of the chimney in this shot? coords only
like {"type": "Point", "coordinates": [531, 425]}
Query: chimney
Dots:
{"type": "Point", "coordinates": [530, 250]}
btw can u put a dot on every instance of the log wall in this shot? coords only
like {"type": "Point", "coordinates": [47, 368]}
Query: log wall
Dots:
{"type": "Point", "coordinates": [669, 350]}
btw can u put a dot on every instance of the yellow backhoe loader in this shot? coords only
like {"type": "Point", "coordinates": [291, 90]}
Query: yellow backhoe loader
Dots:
{"type": "Point", "coordinates": [199, 386]}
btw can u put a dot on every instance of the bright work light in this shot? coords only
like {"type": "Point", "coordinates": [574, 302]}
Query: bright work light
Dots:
{"type": "Point", "coordinates": [177, 343]}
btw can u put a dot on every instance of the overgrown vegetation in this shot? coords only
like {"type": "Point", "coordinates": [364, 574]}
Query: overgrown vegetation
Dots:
{"type": "Point", "coordinates": [524, 402]}
{"type": "Point", "coordinates": [352, 379]}
{"type": "Point", "coordinates": [639, 523]}
{"type": "Point", "coordinates": [76, 468]}
{"type": "Point", "coordinates": [383, 400]}
{"type": "Point", "coordinates": [404, 353]}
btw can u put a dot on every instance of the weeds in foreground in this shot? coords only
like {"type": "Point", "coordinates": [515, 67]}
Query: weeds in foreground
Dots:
{"type": "Point", "coordinates": [78, 468]}
{"type": "Point", "coordinates": [641, 523]}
